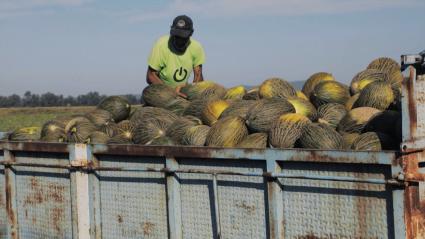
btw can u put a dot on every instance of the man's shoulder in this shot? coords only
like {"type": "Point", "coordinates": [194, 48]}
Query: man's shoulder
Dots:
{"type": "Point", "coordinates": [162, 40]}
{"type": "Point", "coordinates": [195, 44]}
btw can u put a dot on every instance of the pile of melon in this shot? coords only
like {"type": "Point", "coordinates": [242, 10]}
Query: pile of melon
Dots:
{"type": "Point", "coordinates": [325, 114]}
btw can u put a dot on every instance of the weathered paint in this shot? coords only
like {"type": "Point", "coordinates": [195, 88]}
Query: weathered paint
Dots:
{"type": "Point", "coordinates": [413, 148]}
{"type": "Point", "coordinates": [88, 212]}
{"type": "Point", "coordinates": [10, 191]}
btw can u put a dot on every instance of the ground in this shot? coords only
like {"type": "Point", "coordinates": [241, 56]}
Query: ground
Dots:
{"type": "Point", "coordinates": [14, 118]}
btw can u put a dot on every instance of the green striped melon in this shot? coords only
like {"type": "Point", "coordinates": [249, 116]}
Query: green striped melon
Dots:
{"type": "Point", "coordinates": [329, 92]}
{"type": "Point", "coordinates": [195, 135]}
{"type": "Point", "coordinates": [265, 112]}
{"type": "Point", "coordinates": [98, 137]}
{"type": "Point", "coordinates": [320, 136]}
{"type": "Point", "coordinates": [53, 131]}
{"type": "Point", "coordinates": [314, 80]}
{"type": "Point", "coordinates": [374, 141]}
{"type": "Point", "coordinates": [252, 94]}
{"type": "Point", "coordinates": [213, 110]}
{"type": "Point", "coordinates": [79, 129]}
{"type": "Point", "coordinates": [158, 95]}
{"type": "Point", "coordinates": [287, 129]}
{"type": "Point", "coordinates": [238, 108]}
{"type": "Point", "coordinates": [235, 93]}
{"type": "Point", "coordinates": [303, 107]}
{"type": "Point", "coordinates": [118, 106]}
{"type": "Point", "coordinates": [227, 132]}
{"type": "Point", "coordinates": [331, 114]}
{"type": "Point", "coordinates": [276, 88]}
{"type": "Point", "coordinates": [254, 141]}
{"type": "Point", "coordinates": [26, 134]}
{"type": "Point", "coordinates": [150, 128]}
{"type": "Point", "coordinates": [365, 77]}
{"type": "Point", "coordinates": [356, 119]}
{"type": "Point", "coordinates": [378, 94]}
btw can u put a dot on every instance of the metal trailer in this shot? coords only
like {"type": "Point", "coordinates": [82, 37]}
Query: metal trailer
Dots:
{"type": "Point", "coordinates": [50, 190]}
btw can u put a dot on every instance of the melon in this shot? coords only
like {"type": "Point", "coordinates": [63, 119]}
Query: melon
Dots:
{"type": "Point", "coordinates": [331, 114]}
{"type": "Point", "coordinates": [378, 94]}
{"type": "Point", "coordinates": [276, 88]}
{"type": "Point", "coordinates": [303, 107]}
{"type": "Point", "coordinates": [118, 106]}
{"type": "Point", "coordinates": [213, 110]}
{"type": "Point", "coordinates": [329, 92]}
{"type": "Point", "coordinates": [255, 140]}
{"type": "Point", "coordinates": [79, 129]}
{"type": "Point", "coordinates": [374, 141]}
{"type": "Point", "coordinates": [235, 93]}
{"type": "Point", "coordinates": [98, 137]}
{"type": "Point", "coordinates": [320, 136]}
{"type": "Point", "coordinates": [158, 95]}
{"type": "Point", "coordinates": [238, 108]}
{"type": "Point", "coordinates": [195, 135]}
{"type": "Point", "coordinates": [314, 80]}
{"type": "Point", "coordinates": [252, 94]}
{"type": "Point", "coordinates": [227, 132]}
{"type": "Point", "coordinates": [53, 131]}
{"type": "Point", "coordinates": [356, 119]}
{"type": "Point", "coordinates": [26, 134]}
{"type": "Point", "coordinates": [287, 130]}
{"type": "Point", "coordinates": [264, 113]}
{"type": "Point", "coordinates": [365, 77]}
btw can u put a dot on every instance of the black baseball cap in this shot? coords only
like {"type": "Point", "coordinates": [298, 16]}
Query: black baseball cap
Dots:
{"type": "Point", "coordinates": [182, 26]}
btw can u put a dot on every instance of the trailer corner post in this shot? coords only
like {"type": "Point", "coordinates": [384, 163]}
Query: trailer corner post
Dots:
{"type": "Point", "coordinates": [79, 156]}
{"type": "Point", "coordinates": [11, 204]}
{"type": "Point", "coordinates": [173, 200]}
{"type": "Point", "coordinates": [275, 201]}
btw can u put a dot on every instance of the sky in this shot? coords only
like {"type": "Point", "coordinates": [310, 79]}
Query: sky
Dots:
{"type": "Point", "coordinates": [72, 47]}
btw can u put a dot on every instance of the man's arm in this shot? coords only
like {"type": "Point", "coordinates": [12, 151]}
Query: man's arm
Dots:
{"type": "Point", "coordinates": [152, 76]}
{"type": "Point", "coordinates": [197, 71]}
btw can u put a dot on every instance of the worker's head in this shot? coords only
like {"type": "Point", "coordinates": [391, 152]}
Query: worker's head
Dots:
{"type": "Point", "coordinates": [181, 30]}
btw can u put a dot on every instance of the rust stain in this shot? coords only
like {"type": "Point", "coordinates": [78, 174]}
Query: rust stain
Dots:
{"type": "Point", "coordinates": [148, 228]}
{"type": "Point", "coordinates": [309, 236]}
{"type": "Point", "coordinates": [38, 194]}
{"type": "Point", "coordinates": [119, 218]}
{"type": "Point", "coordinates": [414, 208]}
{"type": "Point", "coordinates": [56, 192]}
{"type": "Point", "coordinates": [9, 208]}
{"type": "Point", "coordinates": [249, 208]}
{"type": "Point", "coordinates": [56, 216]}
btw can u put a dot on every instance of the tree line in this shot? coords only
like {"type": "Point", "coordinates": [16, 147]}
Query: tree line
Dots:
{"type": "Point", "coordinates": [49, 99]}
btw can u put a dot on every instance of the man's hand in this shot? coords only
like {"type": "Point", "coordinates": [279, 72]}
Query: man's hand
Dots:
{"type": "Point", "coordinates": [178, 88]}
{"type": "Point", "coordinates": [198, 77]}
{"type": "Point", "coordinates": [152, 76]}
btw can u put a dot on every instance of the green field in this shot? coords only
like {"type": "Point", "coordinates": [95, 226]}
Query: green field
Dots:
{"type": "Point", "coordinates": [14, 118]}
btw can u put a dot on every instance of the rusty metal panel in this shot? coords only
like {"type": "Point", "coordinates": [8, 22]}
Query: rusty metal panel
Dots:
{"type": "Point", "coordinates": [134, 204]}
{"type": "Point", "coordinates": [43, 197]}
{"type": "Point", "coordinates": [242, 200]}
{"type": "Point", "coordinates": [330, 209]}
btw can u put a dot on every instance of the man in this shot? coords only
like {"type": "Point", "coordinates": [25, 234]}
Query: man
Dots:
{"type": "Point", "coordinates": [174, 56]}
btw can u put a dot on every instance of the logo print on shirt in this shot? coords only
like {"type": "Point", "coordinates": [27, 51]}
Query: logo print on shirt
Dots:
{"type": "Point", "coordinates": [179, 76]}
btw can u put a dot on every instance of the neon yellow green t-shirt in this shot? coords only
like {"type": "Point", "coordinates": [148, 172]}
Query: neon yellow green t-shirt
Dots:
{"type": "Point", "coordinates": [175, 69]}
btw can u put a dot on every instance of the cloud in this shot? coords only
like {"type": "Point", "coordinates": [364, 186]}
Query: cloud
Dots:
{"type": "Point", "coordinates": [236, 8]}
{"type": "Point", "coordinates": [13, 8]}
